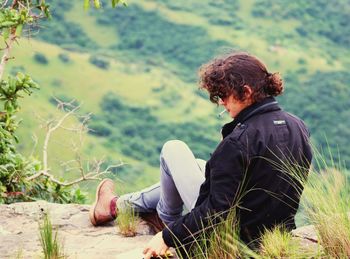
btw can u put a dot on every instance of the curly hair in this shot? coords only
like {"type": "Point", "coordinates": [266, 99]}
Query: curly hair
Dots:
{"type": "Point", "coordinates": [228, 75]}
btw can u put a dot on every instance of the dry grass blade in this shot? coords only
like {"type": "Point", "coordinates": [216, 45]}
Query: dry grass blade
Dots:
{"type": "Point", "coordinates": [127, 221]}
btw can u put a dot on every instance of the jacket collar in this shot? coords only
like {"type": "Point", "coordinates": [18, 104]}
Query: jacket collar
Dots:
{"type": "Point", "coordinates": [266, 105]}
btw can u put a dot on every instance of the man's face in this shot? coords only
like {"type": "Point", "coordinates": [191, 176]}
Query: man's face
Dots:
{"type": "Point", "coordinates": [234, 106]}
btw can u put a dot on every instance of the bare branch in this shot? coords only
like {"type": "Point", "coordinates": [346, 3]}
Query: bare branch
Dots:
{"type": "Point", "coordinates": [4, 3]}
{"type": "Point", "coordinates": [94, 175]}
{"type": "Point", "coordinates": [50, 130]}
{"type": "Point", "coordinates": [35, 140]}
{"type": "Point", "coordinates": [90, 170]}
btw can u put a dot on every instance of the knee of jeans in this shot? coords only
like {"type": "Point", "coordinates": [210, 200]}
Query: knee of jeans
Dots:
{"type": "Point", "coordinates": [172, 146]}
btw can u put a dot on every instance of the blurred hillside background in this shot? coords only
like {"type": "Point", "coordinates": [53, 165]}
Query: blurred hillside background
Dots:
{"type": "Point", "coordinates": [135, 69]}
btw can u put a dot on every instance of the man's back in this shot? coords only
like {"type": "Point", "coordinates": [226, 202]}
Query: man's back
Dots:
{"type": "Point", "coordinates": [278, 153]}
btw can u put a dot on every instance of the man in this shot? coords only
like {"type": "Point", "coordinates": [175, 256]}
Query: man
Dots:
{"type": "Point", "coordinates": [247, 171]}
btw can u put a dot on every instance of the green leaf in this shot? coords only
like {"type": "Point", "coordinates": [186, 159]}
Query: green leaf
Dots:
{"type": "Point", "coordinates": [7, 23]}
{"type": "Point", "coordinates": [116, 2]}
{"type": "Point", "coordinates": [19, 29]}
{"type": "Point", "coordinates": [86, 4]}
{"type": "Point", "coordinates": [97, 4]}
{"type": "Point", "coordinates": [6, 33]}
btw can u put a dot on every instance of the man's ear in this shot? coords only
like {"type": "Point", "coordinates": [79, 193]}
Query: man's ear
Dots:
{"type": "Point", "coordinates": [248, 91]}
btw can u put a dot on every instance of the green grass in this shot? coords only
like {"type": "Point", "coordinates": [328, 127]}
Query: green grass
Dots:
{"type": "Point", "coordinates": [50, 243]}
{"type": "Point", "coordinates": [103, 36]}
{"type": "Point", "coordinates": [127, 221]}
{"type": "Point", "coordinates": [279, 243]}
{"type": "Point", "coordinates": [327, 205]}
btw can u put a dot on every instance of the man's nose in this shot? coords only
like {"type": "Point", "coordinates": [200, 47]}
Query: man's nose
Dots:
{"type": "Point", "coordinates": [221, 102]}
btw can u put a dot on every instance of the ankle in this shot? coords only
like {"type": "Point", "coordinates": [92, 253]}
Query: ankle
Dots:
{"type": "Point", "coordinates": [113, 207]}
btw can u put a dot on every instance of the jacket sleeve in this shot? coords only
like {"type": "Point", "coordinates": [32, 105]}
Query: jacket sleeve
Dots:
{"type": "Point", "coordinates": [226, 174]}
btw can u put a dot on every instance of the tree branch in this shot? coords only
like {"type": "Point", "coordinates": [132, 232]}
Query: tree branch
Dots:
{"type": "Point", "coordinates": [85, 174]}
{"type": "Point", "coordinates": [6, 55]}
{"type": "Point", "coordinates": [91, 176]}
{"type": "Point", "coordinates": [4, 3]}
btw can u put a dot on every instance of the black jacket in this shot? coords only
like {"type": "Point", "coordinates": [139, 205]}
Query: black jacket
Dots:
{"type": "Point", "coordinates": [248, 168]}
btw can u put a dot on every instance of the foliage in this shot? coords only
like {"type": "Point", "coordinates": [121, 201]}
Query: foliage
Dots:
{"type": "Point", "coordinates": [325, 108]}
{"type": "Point", "coordinates": [132, 128]}
{"type": "Point", "coordinates": [13, 166]}
{"type": "Point", "coordinates": [18, 181]}
{"type": "Point", "coordinates": [14, 18]}
{"type": "Point", "coordinates": [64, 57]}
{"type": "Point", "coordinates": [62, 32]}
{"type": "Point", "coordinates": [222, 13]}
{"type": "Point", "coordinates": [322, 17]}
{"type": "Point", "coordinates": [52, 248]}
{"type": "Point", "coordinates": [40, 58]}
{"type": "Point", "coordinates": [69, 34]}
{"type": "Point", "coordinates": [164, 41]}
{"type": "Point", "coordinates": [99, 62]}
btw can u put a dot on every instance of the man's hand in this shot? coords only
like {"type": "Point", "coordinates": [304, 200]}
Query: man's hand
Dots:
{"type": "Point", "coordinates": [155, 247]}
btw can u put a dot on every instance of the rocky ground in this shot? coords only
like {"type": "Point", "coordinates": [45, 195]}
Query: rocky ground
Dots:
{"type": "Point", "coordinates": [19, 233]}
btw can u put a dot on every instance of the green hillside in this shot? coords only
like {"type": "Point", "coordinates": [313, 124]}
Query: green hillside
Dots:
{"type": "Point", "coordinates": [135, 69]}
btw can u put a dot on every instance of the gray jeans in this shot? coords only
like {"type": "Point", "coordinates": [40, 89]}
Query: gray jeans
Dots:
{"type": "Point", "coordinates": [181, 177]}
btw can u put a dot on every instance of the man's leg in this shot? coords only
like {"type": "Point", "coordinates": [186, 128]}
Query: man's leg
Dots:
{"type": "Point", "coordinates": [181, 177]}
{"type": "Point", "coordinates": [145, 200]}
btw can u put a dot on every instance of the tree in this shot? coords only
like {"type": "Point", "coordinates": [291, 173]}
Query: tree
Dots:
{"type": "Point", "coordinates": [24, 178]}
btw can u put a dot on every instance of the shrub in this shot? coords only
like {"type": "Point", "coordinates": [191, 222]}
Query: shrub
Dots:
{"type": "Point", "coordinates": [302, 61]}
{"type": "Point", "coordinates": [64, 57]}
{"type": "Point", "coordinates": [41, 58]}
{"type": "Point", "coordinates": [100, 128]}
{"type": "Point", "coordinates": [99, 62]}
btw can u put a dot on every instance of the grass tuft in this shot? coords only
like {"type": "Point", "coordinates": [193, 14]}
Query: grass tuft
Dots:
{"type": "Point", "coordinates": [127, 221]}
{"type": "Point", "coordinates": [279, 243]}
{"type": "Point", "coordinates": [223, 241]}
{"type": "Point", "coordinates": [51, 246]}
{"type": "Point", "coordinates": [327, 205]}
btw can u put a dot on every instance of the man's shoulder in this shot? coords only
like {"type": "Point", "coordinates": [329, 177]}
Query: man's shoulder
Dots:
{"type": "Point", "coordinates": [258, 127]}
